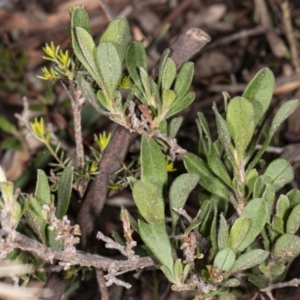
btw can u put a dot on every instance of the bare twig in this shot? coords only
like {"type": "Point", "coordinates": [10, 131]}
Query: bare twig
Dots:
{"type": "Point", "coordinates": [76, 102]}
{"type": "Point", "coordinates": [14, 239]}
{"type": "Point", "coordinates": [294, 282]}
{"type": "Point", "coordinates": [102, 285]}
{"type": "Point", "coordinates": [288, 28]}
{"type": "Point", "coordinates": [109, 14]}
{"type": "Point", "coordinates": [277, 45]}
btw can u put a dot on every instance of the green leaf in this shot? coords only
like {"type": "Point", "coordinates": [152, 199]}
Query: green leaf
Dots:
{"type": "Point", "coordinates": [109, 66]}
{"type": "Point", "coordinates": [223, 133]}
{"type": "Point", "coordinates": [259, 91]}
{"type": "Point", "coordinates": [168, 97]}
{"type": "Point", "coordinates": [84, 46]}
{"type": "Point", "coordinates": [205, 217]}
{"type": "Point", "coordinates": [153, 164]}
{"type": "Point", "coordinates": [293, 222]}
{"type": "Point", "coordinates": [238, 233]}
{"type": "Point", "coordinates": [217, 166]}
{"type": "Point", "coordinates": [197, 165]}
{"type": "Point", "coordinates": [42, 190]}
{"type": "Point", "coordinates": [269, 197]}
{"type": "Point", "coordinates": [169, 274]}
{"type": "Point", "coordinates": [240, 122]}
{"type": "Point", "coordinates": [118, 33]}
{"type": "Point", "coordinates": [88, 93]}
{"type": "Point", "coordinates": [282, 206]}
{"type": "Point", "coordinates": [64, 191]}
{"type": "Point", "coordinates": [136, 59]}
{"type": "Point", "coordinates": [232, 282]}
{"type": "Point", "coordinates": [179, 192]}
{"type": "Point", "coordinates": [181, 104]}
{"type": "Point", "coordinates": [250, 259]}
{"type": "Point", "coordinates": [286, 248]}
{"type": "Point", "coordinates": [259, 280]}
{"type": "Point", "coordinates": [184, 80]}
{"type": "Point", "coordinates": [224, 260]}
{"type": "Point", "coordinates": [294, 197]}
{"type": "Point", "coordinates": [282, 114]}
{"type": "Point", "coordinates": [174, 126]}
{"type": "Point", "coordinates": [257, 211]}
{"type": "Point", "coordinates": [223, 234]}
{"type": "Point", "coordinates": [149, 201]}
{"type": "Point", "coordinates": [178, 270]}
{"type": "Point", "coordinates": [7, 126]}
{"type": "Point", "coordinates": [162, 64]}
{"type": "Point", "coordinates": [213, 231]}
{"type": "Point", "coordinates": [260, 185]}
{"type": "Point", "coordinates": [281, 173]}
{"type": "Point", "coordinates": [168, 74]}
{"type": "Point", "coordinates": [157, 240]}
{"type": "Point", "coordinates": [35, 220]}
{"type": "Point", "coordinates": [104, 101]}
{"type": "Point", "coordinates": [251, 177]}
{"type": "Point", "coordinates": [80, 18]}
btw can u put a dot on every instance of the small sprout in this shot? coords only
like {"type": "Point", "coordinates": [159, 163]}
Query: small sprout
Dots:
{"type": "Point", "coordinates": [125, 83]}
{"type": "Point", "coordinates": [38, 126]}
{"type": "Point", "coordinates": [49, 74]}
{"type": "Point", "coordinates": [51, 51]}
{"type": "Point", "coordinates": [170, 166]}
{"type": "Point", "coordinates": [102, 140]}
{"type": "Point", "coordinates": [93, 167]}
{"type": "Point", "coordinates": [114, 186]}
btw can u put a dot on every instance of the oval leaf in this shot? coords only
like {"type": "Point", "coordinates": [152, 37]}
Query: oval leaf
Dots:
{"type": "Point", "coordinates": [211, 183]}
{"type": "Point", "coordinates": [42, 190]}
{"type": "Point", "coordinates": [259, 91]}
{"type": "Point", "coordinates": [157, 240]}
{"type": "Point", "coordinates": [238, 232]}
{"type": "Point", "coordinates": [224, 260]}
{"type": "Point", "coordinates": [250, 259]}
{"type": "Point", "coordinates": [257, 211]}
{"type": "Point", "coordinates": [118, 33]}
{"type": "Point", "coordinates": [240, 122]}
{"type": "Point", "coordinates": [148, 199]}
{"type": "Point", "coordinates": [293, 222]}
{"type": "Point", "coordinates": [64, 192]}
{"type": "Point", "coordinates": [281, 173]}
{"type": "Point", "coordinates": [179, 192]}
{"type": "Point", "coordinates": [109, 66]}
{"type": "Point", "coordinates": [286, 248]}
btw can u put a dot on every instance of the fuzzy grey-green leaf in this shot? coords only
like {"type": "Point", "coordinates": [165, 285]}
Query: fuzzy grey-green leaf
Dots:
{"type": "Point", "coordinates": [238, 232]}
{"type": "Point", "coordinates": [109, 66]}
{"type": "Point", "coordinates": [257, 211]}
{"type": "Point", "coordinates": [259, 91]}
{"type": "Point", "coordinates": [156, 239]}
{"type": "Point", "coordinates": [250, 259]}
{"type": "Point", "coordinates": [153, 164]}
{"type": "Point", "coordinates": [179, 192]}
{"type": "Point", "coordinates": [197, 165]}
{"type": "Point", "coordinates": [168, 74]}
{"type": "Point", "coordinates": [149, 201]}
{"type": "Point", "coordinates": [64, 192]}
{"type": "Point", "coordinates": [42, 190]}
{"type": "Point", "coordinates": [184, 79]}
{"type": "Point", "coordinates": [281, 173]}
{"type": "Point", "coordinates": [240, 122]}
{"type": "Point", "coordinates": [118, 33]}
{"type": "Point", "coordinates": [293, 222]}
{"type": "Point", "coordinates": [224, 260]}
{"type": "Point", "coordinates": [223, 233]}
{"type": "Point", "coordinates": [286, 248]}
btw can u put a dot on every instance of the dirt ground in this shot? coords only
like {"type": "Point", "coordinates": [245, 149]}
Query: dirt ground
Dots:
{"type": "Point", "coordinates": [247, 35]}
